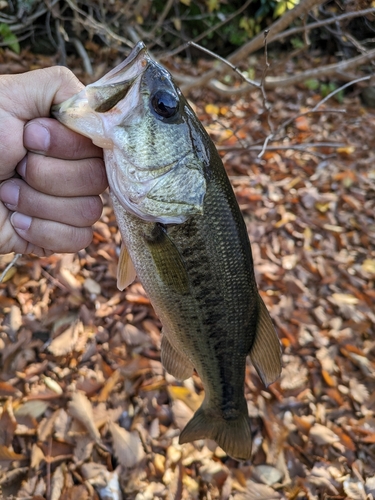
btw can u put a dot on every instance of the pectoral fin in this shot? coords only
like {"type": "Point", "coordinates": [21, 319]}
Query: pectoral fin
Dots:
{"type": "Point", "coordinates": [125, 270]}
{"type": "Point", "coordinates": [176, 363]}
{"type": "Point", "coordinates": [265, 353]}
{"type": "Point", "coordinates": [168, 260]}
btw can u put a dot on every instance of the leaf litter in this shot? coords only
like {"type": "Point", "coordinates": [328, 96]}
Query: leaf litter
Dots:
{"type": "Point", "coordinates": [86, 409]}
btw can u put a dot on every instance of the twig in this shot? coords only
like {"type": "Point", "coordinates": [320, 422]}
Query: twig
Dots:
{"type": "Point", "coordinates": [336, 91]}
{"type": "Point", "coordinates": [297, 147]}
{"type": "Point", "coordinates": [97, 25]}
{"type": "Point", "coordinates": [305, 113]}
{"type": "Point", "coordinates": [161, 18]}
{"type": "Point", "coordinates": [29, 19]}
{"type": "Point", "coordinates": [225, 61]}
{"type": "Point", "coordinates": [320, 24]}
{"type": "Point", "coordinates": [9, 266]}
{"type": "Point", "coordinates": [53, 280]}
{"type": "Point", "coordinates": [83, 54]}
{"type": "Point", "coordinates": [265, 102]}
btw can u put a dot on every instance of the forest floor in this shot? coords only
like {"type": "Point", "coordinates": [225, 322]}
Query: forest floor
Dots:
{"type": "Point", "coordinates": [86, 409]}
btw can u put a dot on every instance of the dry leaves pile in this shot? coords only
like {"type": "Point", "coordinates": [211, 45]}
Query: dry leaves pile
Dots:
{"type": "Point", "coordinates": [86, 410]}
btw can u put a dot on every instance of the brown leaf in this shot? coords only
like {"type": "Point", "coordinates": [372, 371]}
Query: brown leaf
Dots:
{"type": "Point", "coordinates": [354, 489]}
{"type": "Point", "coordinates": [267, 474]}
{"type": "Point", "coordinates": [8, 424]}
{"type": "Point", "coordinates": [37, 456]}
{"type": "Point", "coordinates": [127, 446]}
{"type": "Point", "coordinates": [7, 454]}
{"type": "Point", "coordinates": [322, 435]}
{"type": "Point", "coordinates": [358, 391]}
{"type": "Point", "coordinates": [8, 390]}
{"type": "Point", "coordinates": [66, 341]}
{"type": "Point", "coordinates": [181, 413]}
{"type": "Point", "coordinates": [80, 408]}
{"type": "Point", "coordinates": [57, 483]}
{"type": "Point", "coordinates": [257, 491]}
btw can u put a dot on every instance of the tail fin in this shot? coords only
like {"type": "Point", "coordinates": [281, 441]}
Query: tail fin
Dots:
{"type": "Point", "coordinates": [234, 436]}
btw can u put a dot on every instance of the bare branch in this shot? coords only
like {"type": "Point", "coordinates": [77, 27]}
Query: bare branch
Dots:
{"type": "Point", "coordinates": [225, 61]}
{"type": "Point", "coordinates": [295, 147]}
{"type": "Point", "coordinates": [256, 43]}
{"type": "Point", "coordinates": [319, 24]}
{"type": "Point", "coordinates": [84, 56]}
{"type": "Point", "coordinates": [161, 18]}
{"type": "Point", "coordinates": [335, 69]}
{"type": "Point", "coordinates": [99, 27]}
{"type": "Point", "coordinates": [336, 91]}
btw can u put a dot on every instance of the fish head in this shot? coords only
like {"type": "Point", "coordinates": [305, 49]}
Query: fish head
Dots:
{"type": "Point", "coordinates": [156, 151]}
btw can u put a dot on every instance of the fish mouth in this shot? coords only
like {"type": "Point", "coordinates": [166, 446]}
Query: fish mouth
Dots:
{"type": "Point", "coordinates": [80, 112]}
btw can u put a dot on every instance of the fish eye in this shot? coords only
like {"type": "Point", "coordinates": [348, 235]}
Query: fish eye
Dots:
{"type": "Point", "coordinates": [164, 104]}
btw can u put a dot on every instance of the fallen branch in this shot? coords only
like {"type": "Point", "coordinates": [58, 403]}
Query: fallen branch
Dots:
{"type": "Point", "coordinates": [270, 83]}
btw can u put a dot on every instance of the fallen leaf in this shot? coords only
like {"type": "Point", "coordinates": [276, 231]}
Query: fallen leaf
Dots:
{"type": "Point", "coordinates": [345, 298]}
{"type": "Point", "coordinates": [190, 398]}
{"type": "Point", "coordinates": [368, 266]}
{"type": "Point", "coordinates": [57, 483]}
{"type": "Point", "coordinates": [322, 435]}
{"type": "Point", "coordinates": [127, 446]}
{"type": "Point", "coordinates": [354, 489]}
{"type": "Point", "coordinates": [257, 491]}
{"type": "Point", "coordinates": [7, 454]}
{"type": "Point", "coordinates": [80, 408]}
{"type": "Point", "coordinates": [66, 341]}
{"type": "Point", "coordinates": [359, 392]}
{"type": "Point", "coordinates": [268, 474]}
{"type": "Point", "coordinates": [34, 409]}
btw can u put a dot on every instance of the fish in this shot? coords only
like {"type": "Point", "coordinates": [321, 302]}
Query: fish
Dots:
{"type": "Point", "coordinates": [184, 236]}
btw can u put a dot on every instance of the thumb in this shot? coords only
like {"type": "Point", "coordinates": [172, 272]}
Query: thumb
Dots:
{"type": "Point", "coordinates": [24, 97]}
{"type": "Point", "coordinates": [36, 91]}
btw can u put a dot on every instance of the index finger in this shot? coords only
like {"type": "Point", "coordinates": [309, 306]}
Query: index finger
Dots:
{"type": "Point", "coordinates": [49, 137]}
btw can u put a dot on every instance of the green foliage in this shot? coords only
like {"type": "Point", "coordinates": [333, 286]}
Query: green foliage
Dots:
{"type": "Point", "coordinates": [297, 43]}
{"type": "Point", "coordinates": [193, 17]}
{"type": "Point", "coordinates": [282, 6]}
{"type": "Point", "coordinates": [312, 84]}
{"type": "Point", "coordinates": [274, 8]}
{"type": "Point", "coordinates": [9, 38]}
{"type": "Point", "coordinates": [324, 89]}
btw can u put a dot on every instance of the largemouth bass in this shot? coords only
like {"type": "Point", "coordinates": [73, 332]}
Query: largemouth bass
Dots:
{"type": "Point", "coordinates": [184, 236]}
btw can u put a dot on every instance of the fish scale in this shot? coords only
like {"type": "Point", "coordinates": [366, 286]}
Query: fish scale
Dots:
{"type": "Point", "coordinates": [184, 236]}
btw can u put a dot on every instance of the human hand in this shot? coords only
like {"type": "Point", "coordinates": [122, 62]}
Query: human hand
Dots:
{"type": "Point", "coordinates": [52, 207]}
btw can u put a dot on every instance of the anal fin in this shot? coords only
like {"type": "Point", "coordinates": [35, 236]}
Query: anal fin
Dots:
{"type": "Point", "coordinates": [176, 363]}
{"type": "Point", "coordinates": [125, 270]}
{"type": "Point", "coordinates": [265, 353]}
